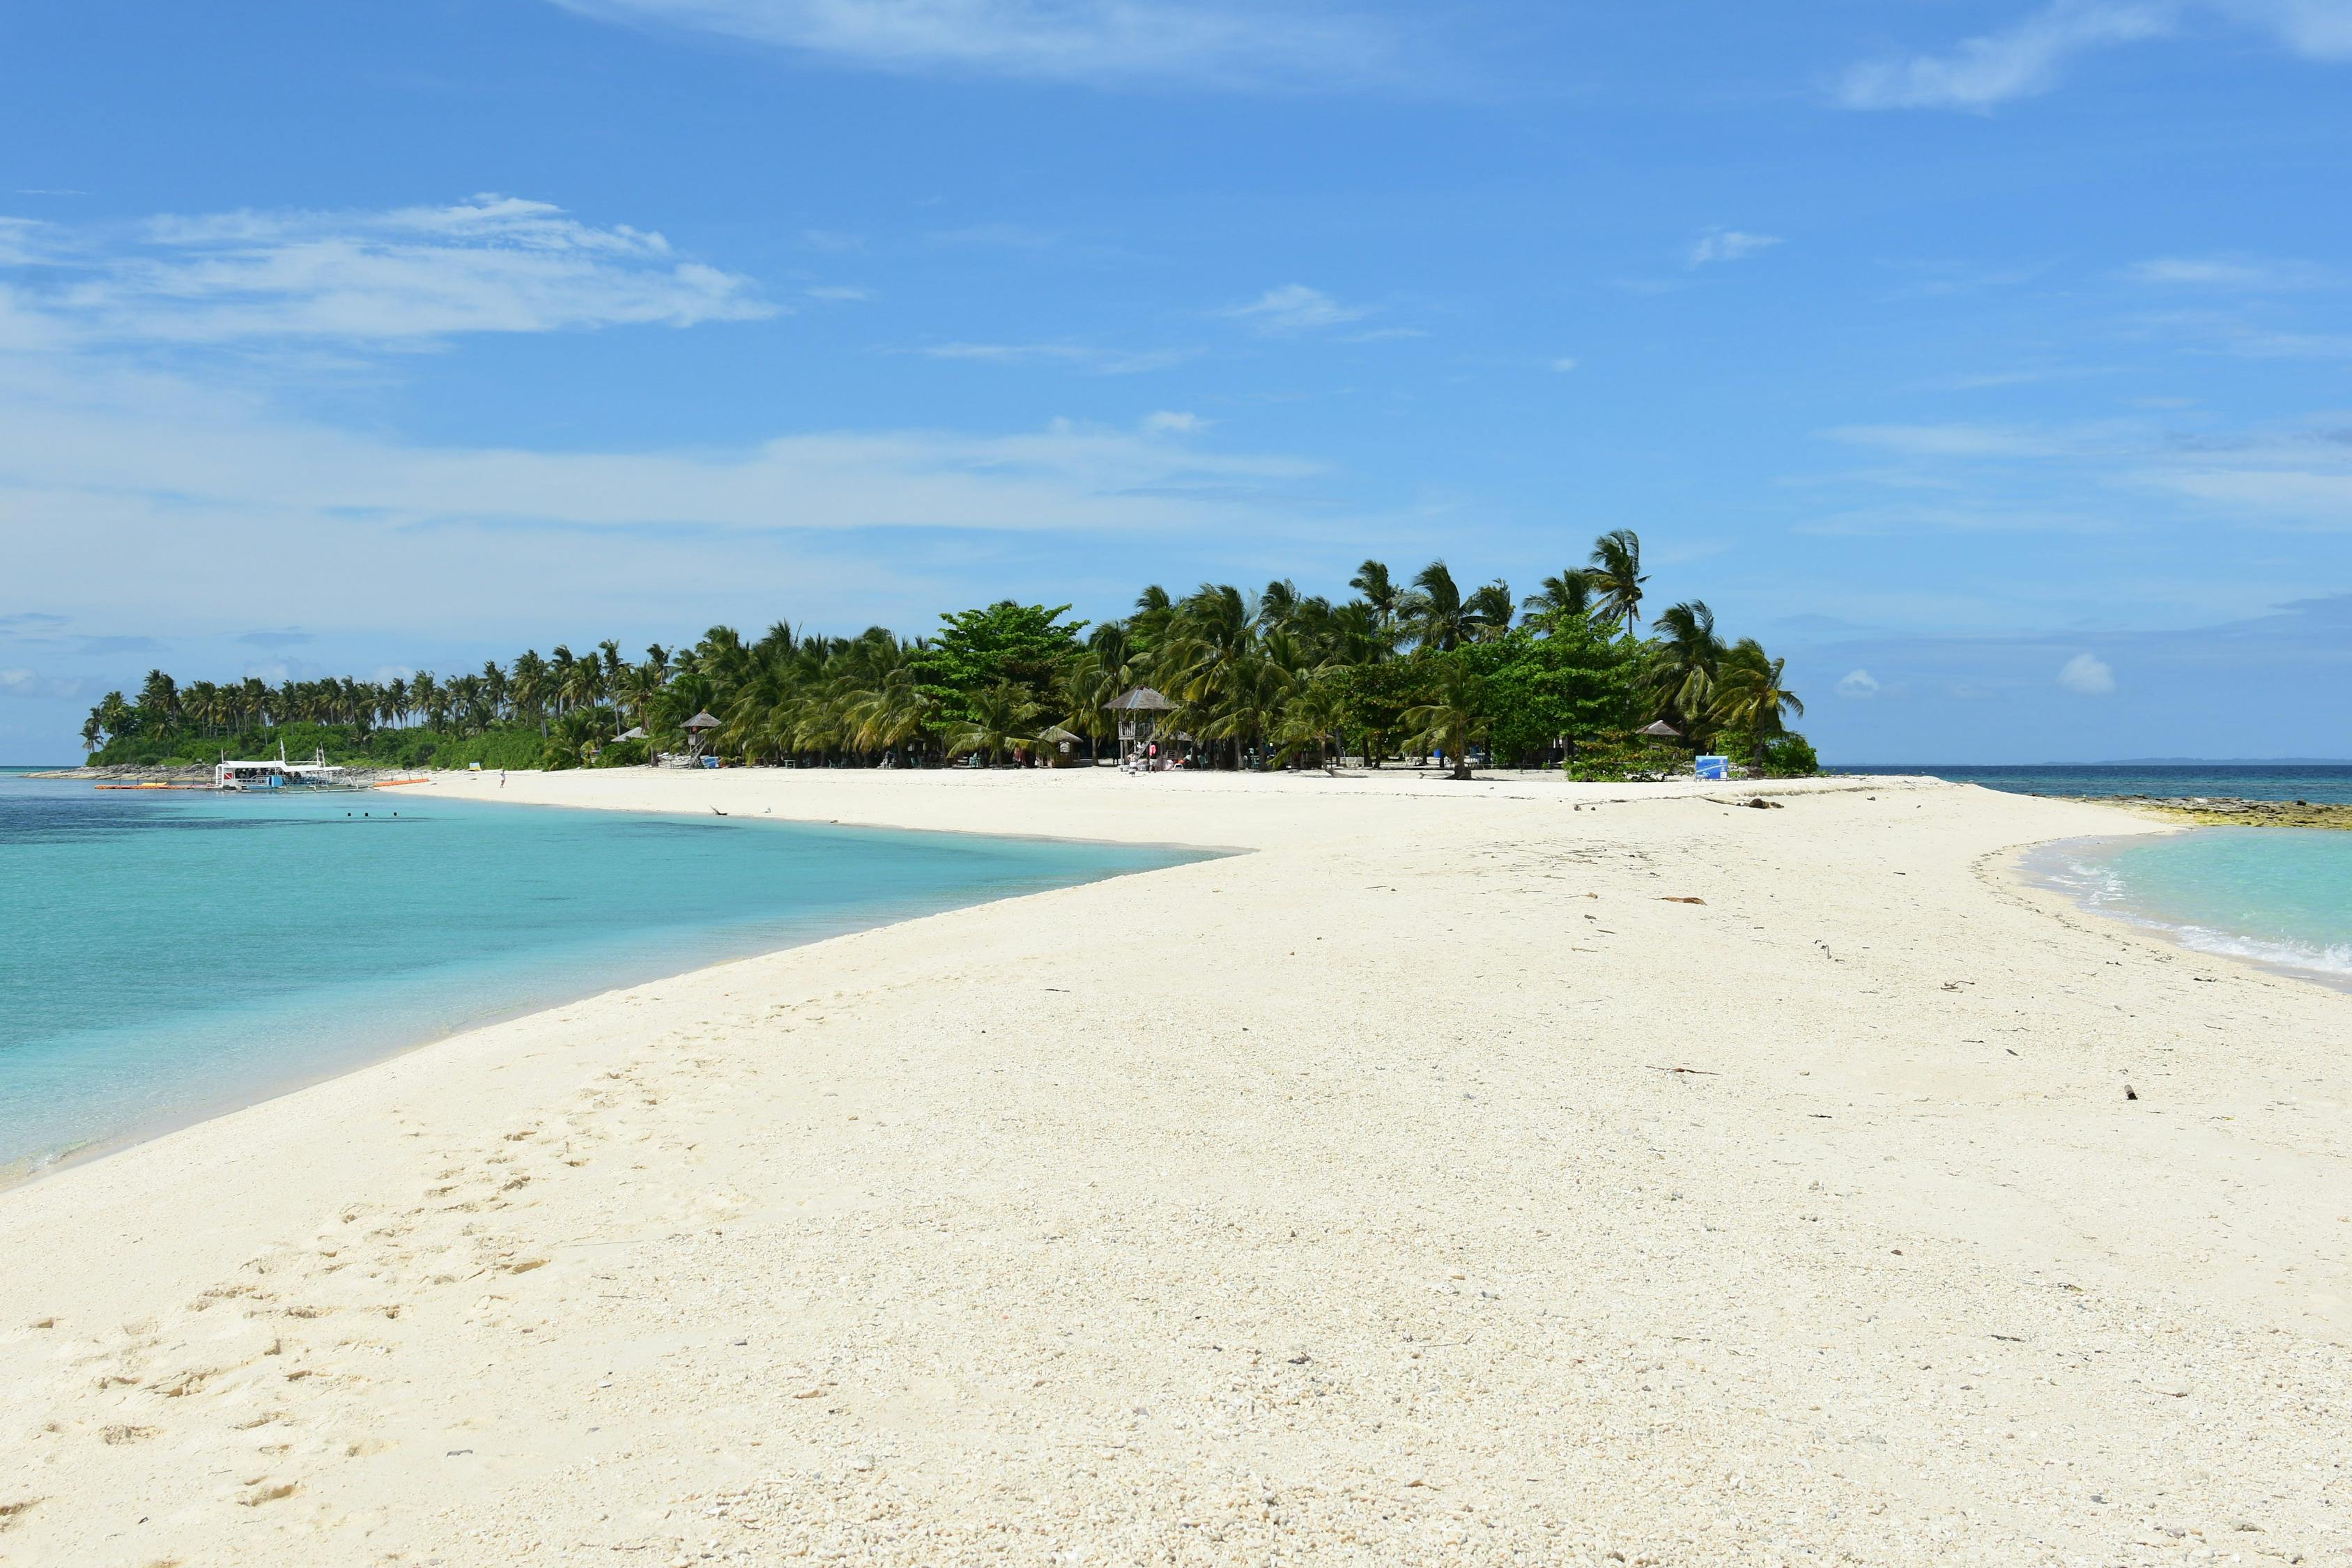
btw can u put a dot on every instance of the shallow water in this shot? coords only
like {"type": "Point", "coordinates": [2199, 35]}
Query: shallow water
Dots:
{"type": "Point", "coordinates": [167, 955]}
{"type": "Point", "coordinates": [2280, 896]}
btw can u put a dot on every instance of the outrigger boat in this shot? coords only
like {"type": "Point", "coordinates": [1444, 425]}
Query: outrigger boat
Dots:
{"type": "Point", "coordinates": [265, 776]}
{"type": "Point", "coordinates": [279, 774]}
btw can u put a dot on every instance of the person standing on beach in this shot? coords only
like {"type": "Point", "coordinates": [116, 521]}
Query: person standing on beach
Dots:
{"type": "Point", "coordinates": [502, 778]}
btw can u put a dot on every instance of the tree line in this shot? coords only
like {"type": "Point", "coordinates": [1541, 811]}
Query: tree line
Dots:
{"type": "Point", "coordinates": [1271, 678]}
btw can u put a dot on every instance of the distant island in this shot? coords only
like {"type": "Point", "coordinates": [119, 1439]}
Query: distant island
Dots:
{"type": "Point", "coordinates": [1271, 679]}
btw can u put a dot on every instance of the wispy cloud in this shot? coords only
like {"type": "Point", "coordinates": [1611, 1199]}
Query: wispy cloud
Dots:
{"type": "Point", "coordinates": [2105, 474]}
{"type": "Point", "coordinates": [840, 294]}
{"type": "Point", "coordinates": [1269, 43]}
{"type": "Point", "coordinates": [2244, 334]}
{"type": "Point", "coordinates": [1730, 244]}
{"type": "Point", "coordinates": [2030, 56]}
{"type": "Point", "coordinates": [30, 624]}
{"type": "Point", "coordinates": [1075, 357]}
{"type": "Point", "coordinates": [19, 682]}
{"type": "Point", "coordinates": [997, 235]}
{"type": "Point", "coordinates": [1954, 440]}
{"type": "Point", "coordinates": [1296, 308]}
{"type": "Point", "coordinates": [412, 275]}
{"type": "Point", "coordinates": [2234, 273]}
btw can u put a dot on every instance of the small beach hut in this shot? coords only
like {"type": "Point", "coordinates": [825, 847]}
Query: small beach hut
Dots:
{"type": "Point", "coordinates": [697, 729]}
{"type": "Point", "coordinates": [635, 732]}
{"type": "Point", "coordinates": [1661, 731]}
{"type": "Point", "coordinates": [1060, 747]}
{"type": "Point", "coordinates": [1139, 719]}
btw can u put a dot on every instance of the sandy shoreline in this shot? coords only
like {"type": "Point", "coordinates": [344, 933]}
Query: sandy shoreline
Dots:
{"type": "Point", "coordinates": [1339, 1201]}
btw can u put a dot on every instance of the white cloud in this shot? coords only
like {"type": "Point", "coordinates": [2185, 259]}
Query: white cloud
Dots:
{"type": "Point", "coordinates": [1564, 363]}
{"type": "Point", "coordinates": [494, 264]}
{"type": "Point", "coordinates": [2086, 675]}
{"type": "Point", "coordinates": [1296, 308]}
{"type": "Point", "coordinates": [1171, 422]}
{"type": "Point", "coordinates": [2028, 56]}
{"type": "Point", "coordinates": [1859, 684]}
{"type": "Point", "coordinates": [1728, 245]}
{"type": "Point", "coordinates": [1261, 44]}
{"type": "Point", "coordinates": [2229, 272]}
{"type": "Point", "coordinates": [840, 294]}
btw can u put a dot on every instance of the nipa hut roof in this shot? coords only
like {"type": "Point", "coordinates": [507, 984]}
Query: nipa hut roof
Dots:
{"type": "Point", "coordinates": [1663, 729]}
{"type": "Point", "coordinates": [1142, 699]}
{"type": "Point", "coordinates": [702, 721]}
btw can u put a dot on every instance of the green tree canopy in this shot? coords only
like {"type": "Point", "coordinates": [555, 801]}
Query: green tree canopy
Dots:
{"type": "Point", "coordinates": [1007, 644]}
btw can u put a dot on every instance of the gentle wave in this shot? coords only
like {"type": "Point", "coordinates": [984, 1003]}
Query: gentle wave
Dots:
{"type": "Point", "coordinates": [2098, 885]}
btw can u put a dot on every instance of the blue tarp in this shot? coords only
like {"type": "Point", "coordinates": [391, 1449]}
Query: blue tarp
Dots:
{"type": "Point", "coordinates": [1715, 767]}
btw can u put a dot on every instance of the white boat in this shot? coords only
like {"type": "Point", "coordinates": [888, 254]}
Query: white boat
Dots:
{"type": "Point", "coordinates": [268, 774]}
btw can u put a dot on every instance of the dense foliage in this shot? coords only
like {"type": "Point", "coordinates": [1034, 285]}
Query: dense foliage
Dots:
{"type": "Point", "coordinates": [1265, 679]}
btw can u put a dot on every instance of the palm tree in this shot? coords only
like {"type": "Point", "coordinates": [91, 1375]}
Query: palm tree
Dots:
{"type": "Point", "coordinates": [1689, 656]}
{"type": "Point", "coordinates": [1570, 593]}
{"type": "Point", "coordinates": [1249, 700]}
{"type": "Point", "coordinates": [1372, 581]}
{"type": "Point", "coordinates": [529, 688]}
{"type": "Point", "coordinates": [426, 693]}
{"type": "Point", "coordinates": [1450, 719]}
{"type": "Point", "coordinates": [584, 682]}
{"type": "Point", "coordinates": [1313, 721]}
{"type": "Point", "coordinates": [560, 678]}
{"type": "Point", "coordinates": [1486, 613]}
{"type": "Point", "coordinates": [1002, 717]}
{"type": "Point", "coordinates": [893, 714]}
{"type": "Point", "coordinates": [1434, 609]}
{"type": "Point", "coordinates": [1749, 696]}
{"type": "Point", "coordinates": [114, 716]}
{"type": "Point", "coordinates": [1616, 576]}
{"type": "Point", "coordinates": [159, 699]}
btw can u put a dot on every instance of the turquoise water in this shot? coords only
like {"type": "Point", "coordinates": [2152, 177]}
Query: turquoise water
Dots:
{"type": "Point", "coordinates": [2281, 895]}
{"type": "Point", "coordinates": [168, 955]}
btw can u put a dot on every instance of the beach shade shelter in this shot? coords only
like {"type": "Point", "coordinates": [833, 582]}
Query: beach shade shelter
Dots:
{"type": "Point", "coordinates": [1661, 731]}
{"type": "Point", "coordinates": [635, 733]}
{"type": "Point", "coordinates": [1060, 746]}
{"type": "Point", "coordinates": [1138, 718]}
{"type": "Point", "coordinates": [698, 728]}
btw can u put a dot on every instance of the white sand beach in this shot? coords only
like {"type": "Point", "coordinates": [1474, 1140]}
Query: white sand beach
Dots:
{"type": "Point", "coordinates": [1511, 1173]}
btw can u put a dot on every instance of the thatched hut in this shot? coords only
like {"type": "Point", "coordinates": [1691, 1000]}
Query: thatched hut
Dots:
{"type": "Point", "coordinates": [1139, 719]}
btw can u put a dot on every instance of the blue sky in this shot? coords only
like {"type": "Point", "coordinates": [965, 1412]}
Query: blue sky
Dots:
{"type": "Point", "coordinates": [1988, 358]}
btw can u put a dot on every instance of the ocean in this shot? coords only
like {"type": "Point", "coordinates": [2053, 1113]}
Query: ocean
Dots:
{"type": "Point", "coordinates": [168, 955]}
{"type": "Point", "coordinates": [2315, 782]}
